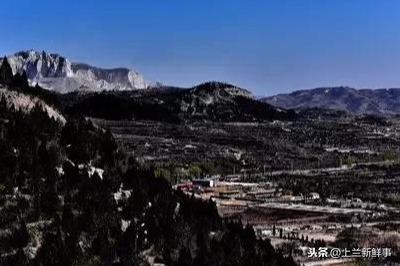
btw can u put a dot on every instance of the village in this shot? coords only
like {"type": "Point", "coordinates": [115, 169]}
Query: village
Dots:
{"type": "Point", "coordinates": [297, 223]}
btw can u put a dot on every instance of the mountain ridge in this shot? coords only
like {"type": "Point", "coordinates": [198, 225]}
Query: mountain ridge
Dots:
{"type": "Point", "coordinates": [357, 101]}
{"type": "Point", "coordinates": [55, 72]}
{"type": "Point", "coordinates": [210, 101]}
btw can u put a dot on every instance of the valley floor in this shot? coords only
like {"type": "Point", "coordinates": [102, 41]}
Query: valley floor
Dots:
{"type": "Point", "coordinates": [302, 184]}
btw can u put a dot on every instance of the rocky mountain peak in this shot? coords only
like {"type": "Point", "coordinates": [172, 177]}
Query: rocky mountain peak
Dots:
{"type": "Point", "coordinates": [55, 72]}
{"type": "Point", "coordinates": [39, 65]}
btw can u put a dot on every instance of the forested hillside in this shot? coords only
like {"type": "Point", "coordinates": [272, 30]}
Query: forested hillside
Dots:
{"type": "Point", "coordinates": [210, 101]}
{"type": "Point", "coordinates": [69, 196]}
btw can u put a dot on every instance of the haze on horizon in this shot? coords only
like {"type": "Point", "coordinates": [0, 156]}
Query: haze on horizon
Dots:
{"type": "Point", "coordinates": [268, 47]}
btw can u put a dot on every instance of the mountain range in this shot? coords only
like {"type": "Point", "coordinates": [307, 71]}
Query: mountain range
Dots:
{"type": "Point", "coordinates": [210, 101]}
{"type": "Point", "coordinates": [357, 101]}
{"type": "Point", "coordinates": [55, 72]}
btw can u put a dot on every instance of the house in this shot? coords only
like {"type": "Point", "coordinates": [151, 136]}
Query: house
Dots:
{"type": "Point", "coordinates": [313, 196]}
{"type": "Point", "coordinates": [204, 182]}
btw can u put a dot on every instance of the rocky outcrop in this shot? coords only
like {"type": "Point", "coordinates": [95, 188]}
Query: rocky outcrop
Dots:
{"type": "Point", "coordinates": [57, 73]}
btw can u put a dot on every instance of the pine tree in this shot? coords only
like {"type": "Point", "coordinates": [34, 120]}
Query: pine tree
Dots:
{"type": "Point", "coordinates": [21, 236]}
{"type": "Point", "coordinates": [20, 80]}
{"type": "Point", "coordinates": [6, 74]}
{"type": "Point", "coordinates": [3, 106]}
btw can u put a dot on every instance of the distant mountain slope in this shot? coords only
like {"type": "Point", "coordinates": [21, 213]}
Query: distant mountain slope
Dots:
{"type": "Point", "coordinates": [212, 101]}
{"type": "Point", "coordinates": [363, 101]}
{"type": "Point", "coordinates": [55, 72]}
{"type": "Point", "coordinates": [26, 103]}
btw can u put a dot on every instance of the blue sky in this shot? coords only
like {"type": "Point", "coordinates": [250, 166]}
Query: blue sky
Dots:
{"type": "Point", "coordinates": [266, 46]}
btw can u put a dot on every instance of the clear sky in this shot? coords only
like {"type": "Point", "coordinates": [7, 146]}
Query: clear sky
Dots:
{"type": "Point", "coordinates": [266, 46]}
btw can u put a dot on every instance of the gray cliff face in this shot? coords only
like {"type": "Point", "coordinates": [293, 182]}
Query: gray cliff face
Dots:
{"type": "Point", "coordinates": [55, 72]}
